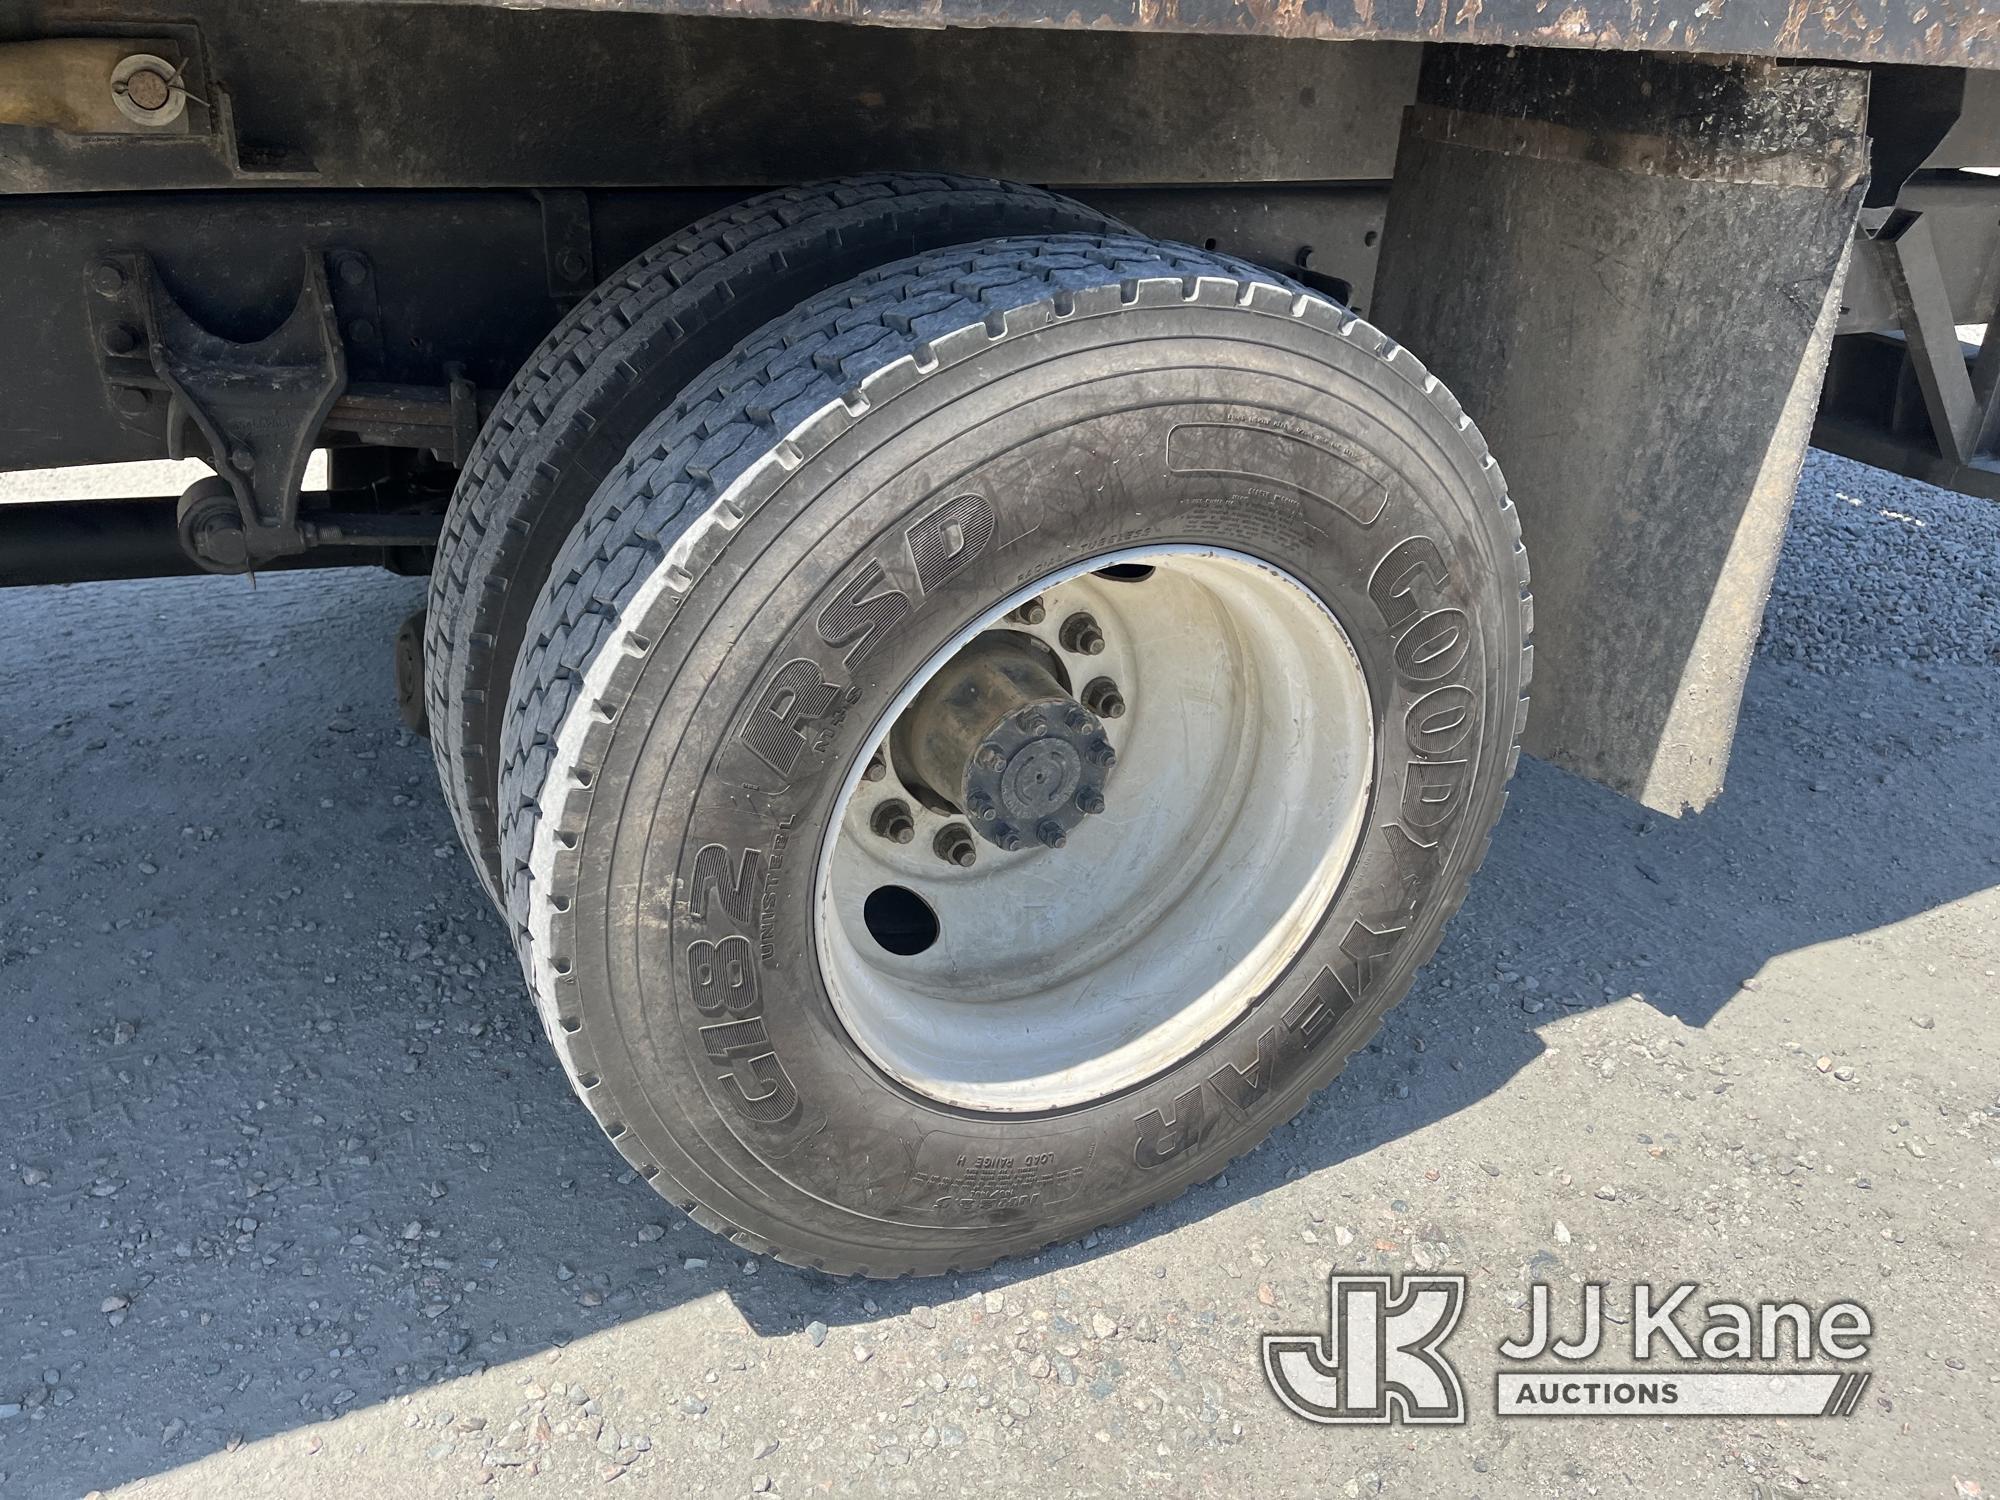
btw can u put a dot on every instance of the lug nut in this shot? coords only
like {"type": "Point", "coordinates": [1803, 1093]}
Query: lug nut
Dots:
{"type": "Point", "coordinates": [1034, 722]}
{"type": "Point", "coordinates": [877, 768]}
{"type": "Point", "coordinates": [954, 845]}
{"type": "Point", "coordinates": [1079, 720]}
{"type": "Point", "coordinates": [1101, 754]}
{"type": "Point", "coordinates": [892, 821]}
{"type": "Point", "coordinates": [990, 757]}
{"type": "Point", "coordinates": [1102, 698]}
{"type": "Point", "coordinates": [980, 806]}
{"type": "Point", "coordinates": [1005, 836]}
{"type": "Point", "coordinates": [1090, 800]}
{"type": "Point", "coordinates": [1050, 832]}
{"type": "Point", "coordinates": [1031, 613]}
{"type": "Point", "coordinates": [1081, 635]}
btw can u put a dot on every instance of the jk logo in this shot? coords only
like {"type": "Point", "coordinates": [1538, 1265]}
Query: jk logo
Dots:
{"type": "Point", "coordinates": [1379, 1359]}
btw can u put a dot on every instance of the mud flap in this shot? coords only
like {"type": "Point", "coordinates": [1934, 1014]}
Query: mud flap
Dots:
{"type": "Point", "coordinates": [1628, 268]}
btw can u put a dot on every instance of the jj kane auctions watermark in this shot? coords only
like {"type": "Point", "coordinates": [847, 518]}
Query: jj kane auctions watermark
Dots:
{"type": "Point", "coordinates": [1382, 1358]}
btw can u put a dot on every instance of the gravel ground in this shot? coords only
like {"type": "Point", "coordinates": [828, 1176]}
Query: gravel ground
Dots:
{"type": "Point", "coordinates": [295, 1200]}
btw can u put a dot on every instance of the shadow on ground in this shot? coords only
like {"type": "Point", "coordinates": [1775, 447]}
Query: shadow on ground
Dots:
{"type": "Point", "coordinates": [282, 1136]}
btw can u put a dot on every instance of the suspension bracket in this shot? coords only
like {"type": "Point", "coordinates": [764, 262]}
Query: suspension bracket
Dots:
{"type": "Point", "coordinates": [256, 407]}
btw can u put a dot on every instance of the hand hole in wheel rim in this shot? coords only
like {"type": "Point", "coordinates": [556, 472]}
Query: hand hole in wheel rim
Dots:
{"type": "Point", "coordinates": [1061, 975]}
{"type": "Point", "coordinates": [900, 921]}
{"type": "Point", "coordinates": [1126, 572]}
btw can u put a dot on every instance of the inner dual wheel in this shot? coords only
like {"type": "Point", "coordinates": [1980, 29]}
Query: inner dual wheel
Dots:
{"type": "Point", "coordinates": [1000, 740]}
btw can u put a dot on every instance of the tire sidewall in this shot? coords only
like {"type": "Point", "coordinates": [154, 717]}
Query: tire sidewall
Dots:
{"type": "Point", "coordinates": [694, 882]}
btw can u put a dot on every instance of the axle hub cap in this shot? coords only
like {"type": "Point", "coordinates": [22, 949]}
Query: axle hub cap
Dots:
{"type": "Point", "coordinates": [995, 735]}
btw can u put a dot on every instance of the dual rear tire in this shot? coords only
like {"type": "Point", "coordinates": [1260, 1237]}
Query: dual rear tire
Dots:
{"type": "Point", "coordinates": [1124, 935]}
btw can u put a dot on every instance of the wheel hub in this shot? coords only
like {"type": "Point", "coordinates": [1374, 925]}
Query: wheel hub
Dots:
{"type": "Point", "coordinates": [995, 735]}
{"type": "Point", "coordinates": [1044, 974]}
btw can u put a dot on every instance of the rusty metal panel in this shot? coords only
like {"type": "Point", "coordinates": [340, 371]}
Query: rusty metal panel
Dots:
{"type": "Point", "coordinates": [381, 96]}
{"type": "Point", "coordinates": [1954, 33]}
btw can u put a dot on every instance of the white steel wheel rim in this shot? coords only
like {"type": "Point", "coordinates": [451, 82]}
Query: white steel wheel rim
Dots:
{"type": "Point", "coordinates": [1061, 976]}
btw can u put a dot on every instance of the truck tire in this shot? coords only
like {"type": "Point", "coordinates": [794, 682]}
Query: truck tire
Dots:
{"type": "Point", "coordinates": [1000, 741]}
{"type": "Point", "coordinates": [606, 370]}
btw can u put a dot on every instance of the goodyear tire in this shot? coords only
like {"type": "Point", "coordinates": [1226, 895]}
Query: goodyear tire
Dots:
{"type": "Point", "coordinates": [1275, 521]}
{"type": "Point", "coordinates": [606, 370]}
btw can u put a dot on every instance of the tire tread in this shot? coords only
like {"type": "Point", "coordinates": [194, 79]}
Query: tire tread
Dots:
{"type": "Point", "coordinates": [638, 315]}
